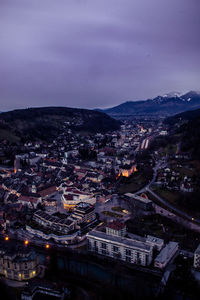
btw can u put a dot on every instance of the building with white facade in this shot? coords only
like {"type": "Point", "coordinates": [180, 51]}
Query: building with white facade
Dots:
{"type": "Point", "coordinates": [155, 242]}
{"type": "Point", "coordinates": [120, 247]}
{"type": "Point", "coordinates": [71, 197]}
{"type": "Point", "coordinates": [166, 255]}
{"type": "Point", "coordinates": [116, 228]}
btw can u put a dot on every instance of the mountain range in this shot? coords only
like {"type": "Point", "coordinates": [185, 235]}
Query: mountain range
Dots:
{"type": "Point", "coordinates": [166, 105]}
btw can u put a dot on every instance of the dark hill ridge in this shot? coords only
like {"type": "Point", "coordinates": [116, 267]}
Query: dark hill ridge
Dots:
{"type": "Point", "coordinates": [183, 117]}
{"type": "Point", "coordinates": [47, 122]}
{"type": "Point", "coordinates": [184, 129]}
{"type": "Point", "coordinates": [187, 126]}
{"type": "Point", "coordinates": [166, 105]}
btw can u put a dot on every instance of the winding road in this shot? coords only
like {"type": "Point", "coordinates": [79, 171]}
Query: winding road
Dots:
{"type": "Point", "coordinates": [192, 222]}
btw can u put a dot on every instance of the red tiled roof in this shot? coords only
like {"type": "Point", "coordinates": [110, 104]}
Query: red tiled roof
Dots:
{"type": "Point", "coordinates": [28, 199]}
{"type": "Point", "coordinates": [116, 225]}
{"type": "Point", "coordinates": [48, 191]}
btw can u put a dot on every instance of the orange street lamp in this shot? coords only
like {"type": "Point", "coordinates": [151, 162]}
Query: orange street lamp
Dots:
{"type": "Point", "coordinates": [47, 246]}
{"type": "Point", "coordinates": [6, 238]}
{"type": "Point", "coordinates": [26, 242]}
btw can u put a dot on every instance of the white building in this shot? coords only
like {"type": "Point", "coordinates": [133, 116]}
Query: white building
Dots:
{"type": "Point", "coordinates": [166, 255]}
{"type": "Point", "coordinates": [126, 249]}
{"type": "Point", "coordinates": [155, 242]}
{"type": "Point", "coordinates": [71, 198]}
{"type": "Point", "coordinates": [116, 228]}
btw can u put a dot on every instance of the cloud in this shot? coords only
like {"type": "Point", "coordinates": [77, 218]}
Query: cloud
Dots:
{"type": "Point", "coordinates": [90, 53]}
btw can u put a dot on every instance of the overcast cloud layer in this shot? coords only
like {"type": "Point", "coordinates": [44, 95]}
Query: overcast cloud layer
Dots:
{"type": "Point", "coordinates": [96, 53]}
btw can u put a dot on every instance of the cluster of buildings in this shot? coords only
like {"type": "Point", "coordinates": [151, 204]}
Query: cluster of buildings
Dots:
{"type": "Point", "coordinates": [52, 192]}
{"type": "Point", "coordinates": [58, 175]}
{"type": "Point", "coordinates": [174, 181]}
{"type": "Point", "coordinates": [62, 228]}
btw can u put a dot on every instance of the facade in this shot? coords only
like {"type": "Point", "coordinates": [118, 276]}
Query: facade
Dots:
{"type": "Point", "coordinates": [155, 242]}
{"type": "Point", "coordinates": [140, 202]}
{"type": "Point", "coordinates": [166, 255]}
{"type": "Point", "coordinates": [126, 249]}
{"type": "Point", "coordinates": [56, 237]}
{"type": "Point", "coordinates": [70, 200]}
{"type": "Point", "coordinates": [196, 263]}
{"type": "Point", "coordinates": [84, 213]}
{"type": "Point", "coordinates": [116, 228]}
{"type": "Point", "coordinates": [31, 202]}
{"type": "Point", "coordinates": [19, 265]}
{"type": "Point", "coordinates": [50, 202]}
{"type": "Point", "coordinates": [127, 171]}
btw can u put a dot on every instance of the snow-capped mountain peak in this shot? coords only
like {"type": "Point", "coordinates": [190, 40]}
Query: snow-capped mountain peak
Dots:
{"type": "Point", "coordinates": [172, 95]}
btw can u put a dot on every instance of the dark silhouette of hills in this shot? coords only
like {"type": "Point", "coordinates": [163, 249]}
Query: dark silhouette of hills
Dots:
{"type": "Point", "coordinates": [47, 122]}
{"type": "Point", "coordinates": [187, 126]}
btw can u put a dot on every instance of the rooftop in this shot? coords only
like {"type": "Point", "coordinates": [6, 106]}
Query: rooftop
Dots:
{"type": "Point", "coordinates": [119, 240]}
{"type": "Point", "coordinates": [165, 253]}
{"type": "Point", "coordinates": [139, 198]}
{"type": "Point", "coordinates": [116, 225]}
{"type": "Point", "coordinates": [153, 239]}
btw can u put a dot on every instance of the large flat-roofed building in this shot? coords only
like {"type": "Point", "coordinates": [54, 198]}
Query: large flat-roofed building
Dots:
{"type": "Point", "coordinates": [140, 202]}
{"type": "Point", "coordinates": [84, 213]}
{"type": "Point", "coordinates": [126, 249]}
{"type": "Point", "coordinates": [46, 226]}
{"type": "Point", "coordinates": [196, 263]}
{"type": "Point", "coordinates": [166, 255]}
{"type": "Point", "coordinates": [63, 225]}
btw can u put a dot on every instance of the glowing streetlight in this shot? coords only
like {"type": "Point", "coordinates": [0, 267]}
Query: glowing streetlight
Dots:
{"type": "Point", "coordinates": [26, 242]}
{"type": "Point", "coordinates": [47, 246]}
{"type": "Point", "coordinates": [6, 238]}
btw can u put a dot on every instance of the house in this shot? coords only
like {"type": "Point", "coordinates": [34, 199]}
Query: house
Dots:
{"type": "Point", "coordinates": [31, 202]}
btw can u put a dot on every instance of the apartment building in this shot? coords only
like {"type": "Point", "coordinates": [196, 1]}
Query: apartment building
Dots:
{"type": "Point", "coordinates": [120, 247]}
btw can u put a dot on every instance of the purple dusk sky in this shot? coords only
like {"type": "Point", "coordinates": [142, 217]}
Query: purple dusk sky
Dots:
{"type": "Point", "coordinates": [96, 53]}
